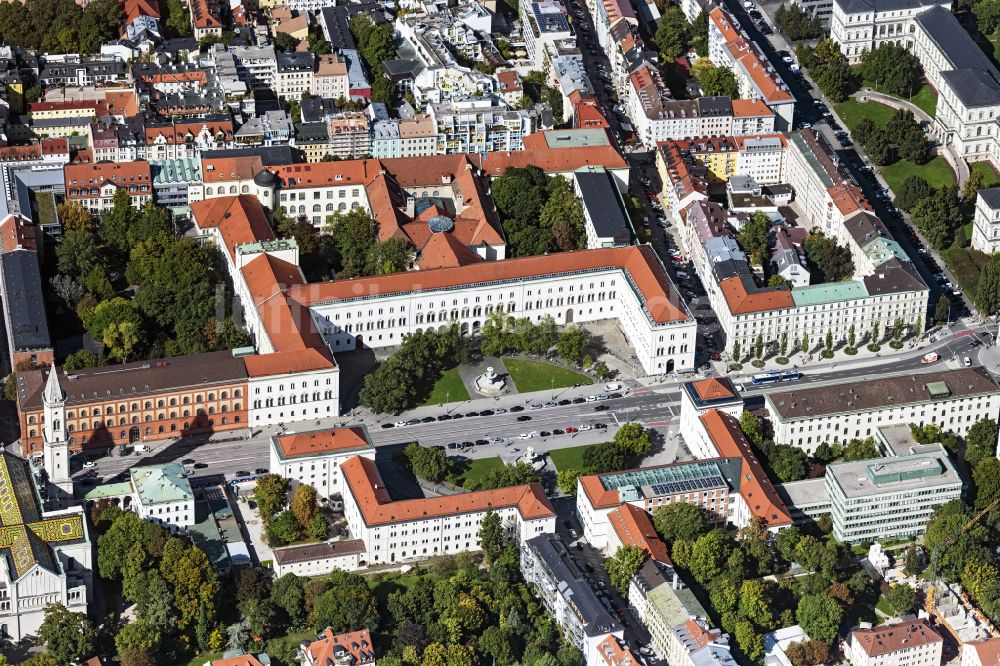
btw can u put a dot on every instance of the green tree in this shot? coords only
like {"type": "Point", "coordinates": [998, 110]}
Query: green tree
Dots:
{"type": "Point", "coordinates": [178, 19]}
{"type": "Point", "coordinates": [622, 566]}
{"type": "Point", "coordinates": [913, 562]}
{"type": "Point", "coordinates": [861, 449]}
{"type": "Point", "coordinates": [819, 616]}
{"type": "Point", "coordinates": [604, 457]}
{"type": "Point", "coordinates": [852, 337]}
{"type": "Point", "coordinates": [671, 35]}
{"type": "Point", "coordinates": [893, 69]}
{"type": "Point", "coordinates": [634, 438]}
{"type": "Point", "coordinates": [753, 237]}
{"type": "Point", "coordinates": [572, 343]}
{"type": "Point", "coordinates": [116, 222]}
{"type": "Point", "coordinates": [987, 296]}
{"type": "Point", "coordinates": [121, 338]}
{"type": "Point", "coordinates": [986, 477]}
{"type": "Point", "coordinates": [750, 425]}
{"type": "Point", "coordinates": [805, 343]}
{"type": "Point", "coordinates": [271, 495]}
{"type": "Point", "coordinates": [938, 217]}
{"type": "Point", "coordinates": [758, 347]}
{"type": "Point", "coordinates": [981, 441]}
{"type": "Point", "coordinates": [756, 603]}
{"type": "Point", "coordinates": [913, 190]}
{"type": "Point", "coordinates": [566, 480]}
{"type": "Point", "coordinates": [288, 595]}
{"type": "Point", "coordinates": [562, 215]}
{"type": "Point", "coordinates": [797, 23]}
{"type": "Point", "coordinates": [194, 581]}
{"type": "Point", "coordinates": [737, 351]}
{"type": "Point", "coordinates": [789, 463]}
{"type": "Point", "coordinates": [137, 635]}
{"type": "Point", "coordinates": [954, 552]}
{"type": "Point", "coordinates": [74, 217]}
{"type": "Point", "coordinates": [709, 554]}
{"type": "Point", "coordinates": [346, 606]}
{"type": "Point", "coordinates": [283, 529]}
{"type": "Point", "coordinates": [975, 182]}
{"type": "Point", "coordinates": [303, 504]}
{"type": "Point", "coordinates": [491, 535]}
{"type": "Point", "coordinates": [81, 359]}
{"type": "Point", "coordinates": [837, 81]}
{"type": "Point", "coordinates": [76, 254]}
{"type": "Point", "coordinates": [680, 521]}
{"type": "Point", "coordinates": [699, 34]}
{"type": "Point", "coordinates": [901, 598]}
{"type": "Point", "coordinates": [942, 309]}
{"type": "Point", "coordinates": [785, 542]}
{"type": "Point", "coordinates": [427, 463]}
{"type": "Point", "coordinates": [783, 346]}
{"type": "Point", "coordinates": [750, 640]}
{"type": "Point", "coordinates": [67, 636]}
{"type": "Point", "coordinates": [830, 261]}
{"type": "Point", "coordinates": [880, 148]}
{"type": "Point", "coordinates": [719, 81]}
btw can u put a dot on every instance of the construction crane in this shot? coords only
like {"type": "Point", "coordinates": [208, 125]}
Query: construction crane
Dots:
{"type": "Point", "coordinates": [929, 604]}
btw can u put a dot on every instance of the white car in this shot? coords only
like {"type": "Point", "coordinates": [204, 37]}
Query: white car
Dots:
{"type": "Point", "coordinates": [524, 435]}
{"type": "Point", "coordinates": [400, 424]}
{"type": "Point", "coordinates": [591, 398]}
{"type": "Point", "coordinates": [585, 428]}
{"type": "Point", "coordinates": [747, 4]}
{"type": "Point", "coordinates": [967, 361]}
{"type": "Point", "coordinates": [611, 388]}
{"type": "Point", "coordinates": [787, 59]}
{"type": "Point", "coordinates": [90, 464]}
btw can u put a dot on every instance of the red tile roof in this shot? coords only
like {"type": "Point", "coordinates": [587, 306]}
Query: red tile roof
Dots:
{"type": "Point", "coordinates": [714, 389]}
{"type": "Point", "coordinates": [755, 488]}
{"type": "Point", "coordinates": [756, 65]}
{"type": "Point", "coordinates": [611, 653]}
{"type": "Point", "coordinates": [634, 528]}
{"type": "Point", "coordinates": [377, 508]}
{"type": "Point", "coordinates": [741, 302]}
{"type": "Point", "coordinates": [328, 649]}
{"type": "Point", "coordinates": [240, 219]}
{"type": "Point", "coordinates": [645, 271]}
{"type": "Point", "coordinates": [890, 638]}
{"type": "Point", "coordinates": [987, 649]}
{"type": "Point", "coordinates": [239, 660]}
{"type": "Point", "coordinates": [15, 234]}
{"type": "Point", "coordinates": [751, 108]}
{"type": "Point", "coordinates": [223, 169]}
{"type": "Point", "coordinates": [323, 441]}
{"type": "Point", "coordinates": [123, 175]}
{"type": "Point", "coordinates": [443, 250]}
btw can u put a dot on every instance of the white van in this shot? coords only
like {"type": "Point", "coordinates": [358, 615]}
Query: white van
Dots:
{"type": "Point", "coordinates": [141, 448]}
{"type": "Point", "coordinates": [681, 275]}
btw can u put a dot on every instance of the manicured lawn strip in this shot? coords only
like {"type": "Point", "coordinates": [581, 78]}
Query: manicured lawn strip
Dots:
{"type": "Point", "coordinates": [449, 388]}
{"type": "Point", "coordinates": [990, 177]}
{"type": "Point", "coordinates": [966, 264]}
{"type": "Point", "coordinates": [926, 99]}
{"type": "Point", "coordinates": [203, 659]}
{"type": "Point", "coordinates": [937, 173]}
{"type": "Point", "coordinates": [569, 458]}
{"type": "Point", "coordinates": [852, 111]}
{"type": "Point", "coordinates": [476, 470]}
{"type": "Point", "coordinates": [883, 605]}
{"type": "Point", "coordinates": [531, 376]}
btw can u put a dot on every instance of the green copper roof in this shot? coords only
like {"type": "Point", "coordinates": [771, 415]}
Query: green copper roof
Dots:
{"type": "Point", "coordinates": [882, 250]}
{"type": "Point", "coordinates": [181, 170]}
{"type": "Point", "coordinates": [161, 483]}
{"type": "Point", "coordinates": [830, 292]}
{"type": "Point", "coordinates": [811, 158]}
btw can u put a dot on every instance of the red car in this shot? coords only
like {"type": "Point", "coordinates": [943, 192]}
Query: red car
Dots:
{"type": "Point", "coordinates": [571, 429]}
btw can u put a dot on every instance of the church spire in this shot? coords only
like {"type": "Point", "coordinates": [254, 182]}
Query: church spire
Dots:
{"type": "Point", "coordinates": [53, 391]}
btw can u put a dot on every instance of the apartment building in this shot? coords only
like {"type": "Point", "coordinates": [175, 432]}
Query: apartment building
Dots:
{"type": "Point", "coordinates": [93, 186]}
{"type": "Point", "coordinates": [416, 529]}
{"type": "Point", "coordinates": [951, 399]}
{"type": "Point", "coordinates": [406, 137]}
{"type": "Point", "coordinates": [314, 457]}
{"type": "Point", "coordinates": [886, 499]}
{"type": "Point", "coordinates": [901, 644]}
{"type": "Point", "coordinates": [729, 47]}
{"type": "Point", "coordinates": [25, 324]}
{"type": "Point", "coordinates": [566, 593]}
{"type": "Point", "coordinates": [171, 181]}
{"type": "Point", "coordinates": [477, 125]}
{"type": "Point", "coordinates": [981, 653]}
{"type": "Point", "coordinates": [48, 154]}
{"type": "Point", "coordinates": [330, 79]}
{"type": "Point", "coordinates": [163, 495]}
{"type": "Point", "coordinates": [605, 218]}
{"type": "Point", "coordinates": [986, 222]}
{"type": "Point", "coordinates": [293, 75]}
{"type": "Point", "coordinates": [257, 66]}
{"type": "Point", "coordinates": [544, 23]}
{"type": "Point", "coordinates": [349, 135]}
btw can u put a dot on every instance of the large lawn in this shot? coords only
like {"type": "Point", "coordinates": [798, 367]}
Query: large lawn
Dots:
{"type": "Point", "coordinates": [937, 173]}
{"type": "Point", "coordinates": [531, 376]}
{"type": "Point", "coordinates": [571, 458]}
{"type": "Point", "coordinates": [990, 177]}
{"type": "Point", "coordinates": [852, 111]}
{"type": "Point", "coordinates": [475, 470]}
{"type": "Point", "coordinates": [925, 97]}
{"type": "Point", "coordinates": [449, 388]}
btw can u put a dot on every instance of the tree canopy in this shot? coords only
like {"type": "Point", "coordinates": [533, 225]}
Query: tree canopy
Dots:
{"type": "Point", "coordinates": [539, 213]}
{"type": "Point", "coordinates": [892, 68]}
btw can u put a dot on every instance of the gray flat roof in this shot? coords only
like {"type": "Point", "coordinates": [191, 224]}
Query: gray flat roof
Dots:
{"type": "Point", "coordinates": [856, 6]}
{"type": "Point", "coordinates": [594, 617]}
{"type": "Point", "coordinates": [23, 301]}
{"type": "Point", "coordinates": [601, 199]}
{"type": "Point", "coordinates": [854, 396]}
{"type": "Point", "coordinates": [991, 196]}
{"type": "Point", "coordinates": [803, 493]}
{"type": "Point", "coordinates": [864, 478]}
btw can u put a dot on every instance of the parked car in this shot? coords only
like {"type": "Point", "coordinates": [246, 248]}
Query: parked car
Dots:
{"type": "Point", "coordinates": [524, 417]}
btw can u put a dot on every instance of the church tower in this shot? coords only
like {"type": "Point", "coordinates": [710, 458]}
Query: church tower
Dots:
{"type": "Point", "coordinates": [55, 445]}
